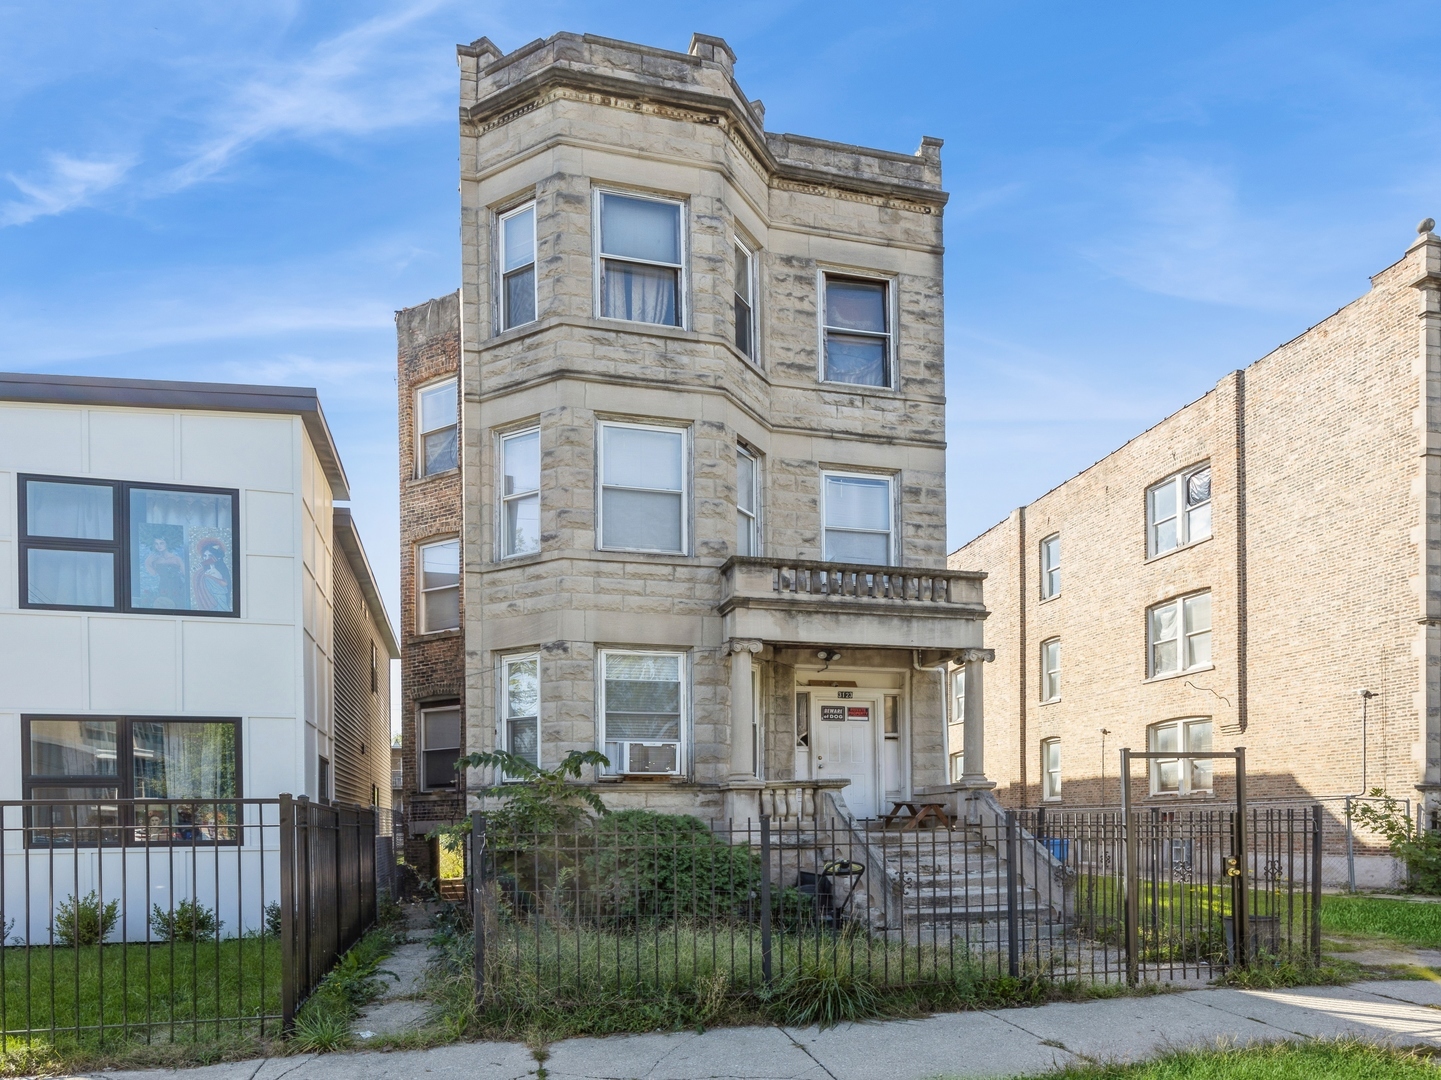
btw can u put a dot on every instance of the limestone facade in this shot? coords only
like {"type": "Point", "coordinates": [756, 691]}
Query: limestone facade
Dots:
{"type": "Point", "coordinates": [548, 132]}
{"type": "Point", "coordinates": [1322, 563]}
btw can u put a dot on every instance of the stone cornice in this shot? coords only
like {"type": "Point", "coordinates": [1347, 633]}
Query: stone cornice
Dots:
{"type": "Point", "coordinates": [556, 82]}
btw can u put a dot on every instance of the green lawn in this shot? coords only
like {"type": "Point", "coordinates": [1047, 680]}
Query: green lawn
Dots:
{"type": "Point", "coordinates": [224, 986]}
{"type": "Point", "coordinates": [1406, 921]}
{"type": "Point", "coordinates": [1282, 1061]}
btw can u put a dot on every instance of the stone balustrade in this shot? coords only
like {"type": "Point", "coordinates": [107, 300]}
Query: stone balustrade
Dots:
{"type": "Point", "coordinates": [834, 603]}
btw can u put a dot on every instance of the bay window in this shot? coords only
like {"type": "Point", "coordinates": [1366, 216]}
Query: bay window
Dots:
{"type": "Point", "coordinates": [641, 269]}
{"type": "Point", "coordinates": [857, 332]}
{"type": "Point", "coordinates": [643, 709]}
{"type": "Point", "coordinates": [857, 516]}
{"type": "Point", "coordinates": [520, 706]}
{"type": "Point", "coordinates": [745, 308]}
{"type": "Point", "coordinates": [517, 267]}
{"type": "Point", "coordinates": [1180, 776]}
{"type": "Point", "coordinates": [642, 488]}
{"type": "Point", "coordinates": [747, 503]}
{"type": "Point", "coordinates": [1179, 635]}
{"type": "Point", "coordinates": [520, 493]}
{"type": "Point", "coordinates": [102, 769]}
{"type": "Point", "coordinates": [116, 546]}
{"type": "Point", "coordinates": [1178, 510]}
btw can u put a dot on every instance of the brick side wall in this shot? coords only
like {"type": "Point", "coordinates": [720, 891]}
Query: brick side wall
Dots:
{"type": "Point", "coordinates": [1332, 481]}
{"type": "Point", "coordinates": [432, 665]}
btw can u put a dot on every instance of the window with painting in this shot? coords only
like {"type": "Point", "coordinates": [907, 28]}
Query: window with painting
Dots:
{"type": "Point", "coordinates": [114, 546]}
{"type": "Point", "coordinates": [93, 766]}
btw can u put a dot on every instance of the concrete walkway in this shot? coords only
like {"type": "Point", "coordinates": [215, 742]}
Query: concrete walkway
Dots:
{"type": "Point", "coordinates": [1004, 1042]}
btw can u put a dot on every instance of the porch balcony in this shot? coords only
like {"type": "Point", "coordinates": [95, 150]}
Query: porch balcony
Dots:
{"type": "Point", "coordinates": [804, 602]}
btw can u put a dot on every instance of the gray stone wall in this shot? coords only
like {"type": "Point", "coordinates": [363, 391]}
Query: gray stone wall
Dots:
{"type": "Point", "coordinates": [553, 122]}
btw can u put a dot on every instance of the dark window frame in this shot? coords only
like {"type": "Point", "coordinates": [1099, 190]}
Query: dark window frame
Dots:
{"type": "Point", "coordinates": [124, 780]}
{"type": "Point", "coordinates": [119, 546]}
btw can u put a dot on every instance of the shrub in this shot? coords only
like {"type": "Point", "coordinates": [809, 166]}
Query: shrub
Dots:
{"type": "Point", "coordinates": [646, 864]}
{"type": "Point", "coordinates": [272, 919]}
{"type": "Point", "coordinates": [188, 922]}
{"type": "Point", "coordinates": [825, 992]}
{"type": "Point", "coordinates": [84, 921]}
{"type": "Point", "coordinates": [320, 1030]}
{"type": "Point", "coordinates": [543, 801]}
{"type": "Point", "coordinates": [1419, 849]}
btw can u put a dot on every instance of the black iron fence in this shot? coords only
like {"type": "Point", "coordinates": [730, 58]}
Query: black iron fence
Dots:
{"type": "Point", "coordinates": [644, 906]}
{"type": "Point", "coordinates": [174, 920]}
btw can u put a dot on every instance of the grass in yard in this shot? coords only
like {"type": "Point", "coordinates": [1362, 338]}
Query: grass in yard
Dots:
{"type": "Point", "coordinates": [1319, 1060]}
{"type": "Point", "coordinates": [185, 991]}
{"type": "Point", "coordinates": [1410, 922]}
{"type": "Point", "coordinates": [545, 985]}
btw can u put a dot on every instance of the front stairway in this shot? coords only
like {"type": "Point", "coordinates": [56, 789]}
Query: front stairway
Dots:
{"type": "Point", "coordinates": [956, 883]}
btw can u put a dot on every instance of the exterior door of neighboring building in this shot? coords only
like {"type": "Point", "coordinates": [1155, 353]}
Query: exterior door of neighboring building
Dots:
{"type": "Point", "coordinates": [844, 736]}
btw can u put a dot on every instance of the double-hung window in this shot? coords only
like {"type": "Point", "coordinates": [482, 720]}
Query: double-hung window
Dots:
{"type": "Point", "coordinates": [1178, 510]}
{"type": "Point", "coordinates": [1051, 670]}
{"type": "Point", "coordinates": [957, 732]}
{"type": "Point", "coordinates": [437, 431]}
{"type": "Point", "coordinates": [641, 255]}
{"type": "Point", "coordinates": [520, 706]}
{"type": "Point", "coordinates": [439, 594]}
{"type": "Point", "coordinates": [1180, 776]}
{"type": "Point", "coordinates": [857, 332]}
{"type": "Point", "coordinates": [747, 503]}
{"type": "Point", "coordinates": [642, 488]}
{"type": "Point", "coordinates": [439, 747]}
{"type": "Point", "coordinates": [745, 290]}
{"type": "Point", "coordinates": [520, 493]}
{"type": "Point", "coordinates": [1050, 769]}
{"type": "Point", "coordinates": [1179, 634]}
{"type": "Point", "coordinates": [517, 266]}
{"type": "Point", "coordinates": [101, 762]}
{"type": "Point", "coordinates": [857, 514]}
{"type": "Point", "coordinates": [112, 546]}
{"type": "Point", "coordinates": [643, 710]}
{"type": "Point", "coordinates": [1051, 566]}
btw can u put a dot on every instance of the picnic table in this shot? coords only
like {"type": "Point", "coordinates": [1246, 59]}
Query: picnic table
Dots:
{"type": "Point", "coordinates": [916, 811]}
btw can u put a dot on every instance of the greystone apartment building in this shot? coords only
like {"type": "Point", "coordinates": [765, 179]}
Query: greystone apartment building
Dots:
{"type": "Point", "coordinates": [1260, 569]}
{"type": "Point", "coordinates": [673, 458]}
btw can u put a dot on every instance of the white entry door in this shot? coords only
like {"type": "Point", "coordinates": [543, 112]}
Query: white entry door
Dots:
{"type": "Point", "coordinates": [844, 734]}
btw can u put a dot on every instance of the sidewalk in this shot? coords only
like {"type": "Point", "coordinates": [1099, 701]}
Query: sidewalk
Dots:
{"type": "Point", "coordinates": [1005, 1042]}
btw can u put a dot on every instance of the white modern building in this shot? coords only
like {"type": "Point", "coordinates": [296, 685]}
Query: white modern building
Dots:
{"type": "Point", "coordinates": [185, 613]}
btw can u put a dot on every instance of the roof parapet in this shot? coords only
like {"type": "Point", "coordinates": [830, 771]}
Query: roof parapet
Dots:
{"type": "Point", "coordinates": [714, 49]}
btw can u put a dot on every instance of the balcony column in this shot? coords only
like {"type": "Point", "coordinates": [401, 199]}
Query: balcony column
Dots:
{"type": "Point", "coordinates": [742, 650]}
{"type": "Point", "coordinates": [974, 774]}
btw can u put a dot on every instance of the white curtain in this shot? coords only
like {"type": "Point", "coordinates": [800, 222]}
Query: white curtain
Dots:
{"type": "Point", "coordinates": [79, 511]}
{"type": "Point", "coordinates": [70, 578]}
{"type": "Point", "coordinates": [638, 292]}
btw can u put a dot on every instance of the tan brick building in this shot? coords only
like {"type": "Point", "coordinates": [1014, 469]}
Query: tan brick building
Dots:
{"type": "Point", "coordinates": [700, 494]}
{"type": "Point", "coordinates": [1238, 575]}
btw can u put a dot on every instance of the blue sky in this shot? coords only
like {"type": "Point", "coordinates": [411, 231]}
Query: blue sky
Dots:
{"type": "Point", "coordinates": [1143, 196]}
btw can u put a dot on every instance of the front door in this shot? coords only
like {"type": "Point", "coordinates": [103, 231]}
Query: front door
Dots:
{"type": "Point", "coordinates": [845, 746]}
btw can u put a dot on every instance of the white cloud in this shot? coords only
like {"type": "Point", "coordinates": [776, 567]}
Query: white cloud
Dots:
{"type": "Point", "coordinates": [358, 82]}
{"type": "Point", "coordinates": [68, 183]}
{"type": "Point", "coordinates": [1189, 236]}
